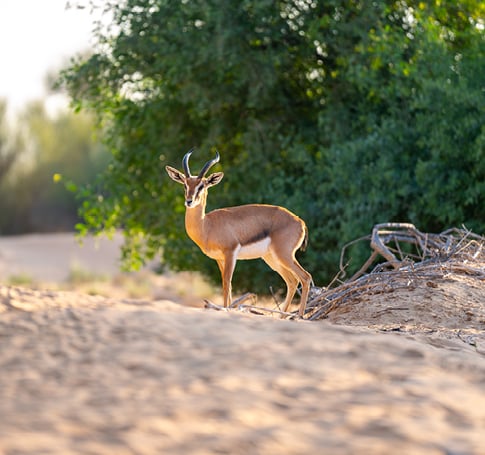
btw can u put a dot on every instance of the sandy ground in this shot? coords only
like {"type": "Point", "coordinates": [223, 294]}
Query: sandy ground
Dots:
{"type": "Point", "coordinates": [50, 258]}
{"type": "Point", "coordinates": [61, 261]}
{"type": "Point", "coordinates": [398, 373]}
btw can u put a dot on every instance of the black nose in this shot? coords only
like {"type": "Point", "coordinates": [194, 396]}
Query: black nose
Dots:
{"type": "Point", "coordinates": [188, 202]}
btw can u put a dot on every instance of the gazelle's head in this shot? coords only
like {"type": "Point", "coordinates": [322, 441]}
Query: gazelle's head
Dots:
{"type": "Point", "coordinates": [195, 187]}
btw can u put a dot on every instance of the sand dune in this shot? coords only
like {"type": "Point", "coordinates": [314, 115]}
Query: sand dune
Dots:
{"type": "Point", "coordinates": [402, 373]}
{"type": "Point", "coordinates": [88, 375]}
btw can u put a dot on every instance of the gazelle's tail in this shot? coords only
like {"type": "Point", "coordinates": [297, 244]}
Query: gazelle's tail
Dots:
{"type": "Point", "coordinates": [304, 243]}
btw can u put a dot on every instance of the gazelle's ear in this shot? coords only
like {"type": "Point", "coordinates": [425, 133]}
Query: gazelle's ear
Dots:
{"type": "Point", "coordinates": [175, 175]}
{"type": "Point", "coordinates": [214, 179]}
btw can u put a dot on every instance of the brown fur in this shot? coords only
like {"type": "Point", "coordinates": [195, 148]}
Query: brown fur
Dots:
{"type": "Point", "coordinates": [225, 233]}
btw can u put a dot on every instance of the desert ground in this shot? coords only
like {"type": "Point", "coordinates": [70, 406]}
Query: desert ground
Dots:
{"type": "Point", "coordinates": [109, 368]}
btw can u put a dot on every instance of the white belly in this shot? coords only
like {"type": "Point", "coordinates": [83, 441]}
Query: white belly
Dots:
{"type": "Point", "coordinates": [254, 250]}
{"type": "Point", "coordinates": [251, 251]}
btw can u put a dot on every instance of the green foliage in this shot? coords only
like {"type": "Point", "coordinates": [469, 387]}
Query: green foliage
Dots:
{"type": "Point", "coordinates": [8, 144]}
{"type": "Point", "coordinates": [348, 113]}
{"type": "Point", "coordinates": [51, 155]}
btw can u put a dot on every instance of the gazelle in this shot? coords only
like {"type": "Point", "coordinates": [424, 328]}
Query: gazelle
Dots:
{"type": "Point", "coordinates": [244, 232]}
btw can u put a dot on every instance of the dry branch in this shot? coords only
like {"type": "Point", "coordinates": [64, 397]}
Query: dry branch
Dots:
{"type": "Point", "coordinates": [457, 251]}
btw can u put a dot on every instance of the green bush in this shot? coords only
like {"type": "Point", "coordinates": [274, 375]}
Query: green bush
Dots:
{"type": "Point", "coordinates": [348, 113]}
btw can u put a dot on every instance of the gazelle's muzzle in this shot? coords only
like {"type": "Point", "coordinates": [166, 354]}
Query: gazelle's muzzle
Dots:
{"type": "Point", "coordinates": [191, 203]}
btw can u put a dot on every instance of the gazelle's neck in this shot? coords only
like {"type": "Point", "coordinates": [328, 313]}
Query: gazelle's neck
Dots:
{"type": "Point", "coordinates": [194, 221]}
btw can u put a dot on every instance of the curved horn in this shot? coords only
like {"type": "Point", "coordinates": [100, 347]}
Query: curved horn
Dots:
{"type": "Point", "coordinates": [208, 165]}
{"type": "Point", "coordinates": [185, 163]}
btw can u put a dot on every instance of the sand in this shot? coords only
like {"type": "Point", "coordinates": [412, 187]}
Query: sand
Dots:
{"type": "Point", "coordinates": [50, 258]}
{"type": "Point", "coordinates": [401, 373]}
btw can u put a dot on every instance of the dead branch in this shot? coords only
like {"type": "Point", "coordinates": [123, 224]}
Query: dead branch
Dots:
{"type": "Point", "coordinates": [457, 251]}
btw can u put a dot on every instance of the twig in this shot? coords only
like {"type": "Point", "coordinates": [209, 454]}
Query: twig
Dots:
{"type": "Point", "coordinates": [274, 297]}
{"type": "Point", "coordinates": [244, 307]}
{"type": "Point", "coordinates": [366, 265]}
{"type": "Point", "coordinates": [344, 248]}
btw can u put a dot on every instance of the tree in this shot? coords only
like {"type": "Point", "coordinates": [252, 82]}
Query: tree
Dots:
{"type": "Point", "coordinates": [323, 107]}
{"type": "Point", "coordinates": [56, 152]}
{"type": "Point", "coordinates": [7, 149]}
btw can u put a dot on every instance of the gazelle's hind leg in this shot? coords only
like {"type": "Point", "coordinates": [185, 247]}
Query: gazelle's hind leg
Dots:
{"type": "Point", "coordinates": [286, 264]}
{"type": "Point", "coordinates": [287, 275]}
{"type": "Point", "coordinates": [306, 282]}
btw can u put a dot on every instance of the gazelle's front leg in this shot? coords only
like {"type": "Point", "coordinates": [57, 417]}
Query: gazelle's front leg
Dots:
{"type": "Point", "coordinates": [226, 266]}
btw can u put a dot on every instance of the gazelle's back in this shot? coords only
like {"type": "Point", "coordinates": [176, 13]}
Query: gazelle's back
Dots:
{"type": "Point", "coordinates": [251, 223]}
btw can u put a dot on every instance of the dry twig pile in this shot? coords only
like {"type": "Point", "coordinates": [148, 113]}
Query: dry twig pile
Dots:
{"type": "Point", "coordinates": [410, 255]}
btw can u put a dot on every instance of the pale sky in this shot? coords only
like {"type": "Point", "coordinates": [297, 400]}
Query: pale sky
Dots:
{"type": "Point", "coordinates": [37, 36]}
